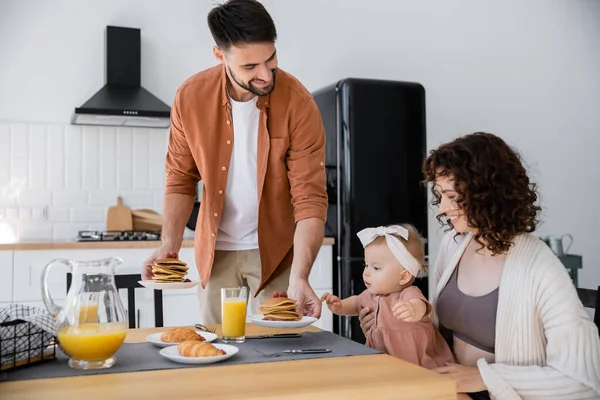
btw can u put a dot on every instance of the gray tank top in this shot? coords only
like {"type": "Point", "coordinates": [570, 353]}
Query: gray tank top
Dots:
{"type": "Point", "coordinates": [471, 319]}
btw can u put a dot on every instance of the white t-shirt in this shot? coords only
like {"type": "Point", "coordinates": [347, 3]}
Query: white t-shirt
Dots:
{"type": "Point", "coordinates": [239, 220]}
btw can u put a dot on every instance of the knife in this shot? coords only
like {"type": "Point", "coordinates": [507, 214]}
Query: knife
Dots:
{"type": "Point", "coordinates": [307, 351]}
{"type": "Point", "coordinates": [276, 335]}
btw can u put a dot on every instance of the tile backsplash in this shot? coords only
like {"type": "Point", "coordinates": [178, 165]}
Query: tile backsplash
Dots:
{"type": "Point", "coordinates": [58, 179]}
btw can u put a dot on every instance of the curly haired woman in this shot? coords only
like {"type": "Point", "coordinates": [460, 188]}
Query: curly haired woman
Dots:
{"type": "Point", "coordinates": [502, 299]}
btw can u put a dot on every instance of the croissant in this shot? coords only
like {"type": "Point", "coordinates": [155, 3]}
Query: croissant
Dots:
{"type": "Point", "coordinates": [179, 335]}
{"type": "Point", "coordinates": [192, 348]}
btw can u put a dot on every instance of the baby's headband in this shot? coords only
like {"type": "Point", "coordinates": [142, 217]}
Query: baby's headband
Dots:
{"type": "Point", "coordinates": [408, 261]}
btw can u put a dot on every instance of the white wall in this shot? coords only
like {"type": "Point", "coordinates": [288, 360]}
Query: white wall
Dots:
{"type": "Point", "coordinates": [58, 179]}
{"type": "Point", "coordinates": [528, 71]}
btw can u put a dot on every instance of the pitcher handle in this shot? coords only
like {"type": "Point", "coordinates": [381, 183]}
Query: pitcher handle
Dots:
{"type": "Point", "coordinates": [568, 235]}
{"type": "Point", "coordinates": [52, 307]}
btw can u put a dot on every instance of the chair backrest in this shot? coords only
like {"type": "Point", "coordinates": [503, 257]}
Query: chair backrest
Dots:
{"type": "Point", "coordinates": [590, 299]}
{"type": "Point", "coordinates": [131, 282]}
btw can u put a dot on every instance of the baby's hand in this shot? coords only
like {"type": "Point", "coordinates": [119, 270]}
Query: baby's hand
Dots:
{"type": "Point", "coordinates": [406, 311]}
{"type": "Point", "coordinates": [333, 302]}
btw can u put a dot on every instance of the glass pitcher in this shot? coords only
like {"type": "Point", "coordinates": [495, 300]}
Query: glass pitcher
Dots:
{"type": "Point", "coordinates": [91, 327]}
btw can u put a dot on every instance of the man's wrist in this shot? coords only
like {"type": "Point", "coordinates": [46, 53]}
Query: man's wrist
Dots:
{"type": "Point", "coordinates": [171, 242]}
{"type": "Point", "coordinates": [298, 275]}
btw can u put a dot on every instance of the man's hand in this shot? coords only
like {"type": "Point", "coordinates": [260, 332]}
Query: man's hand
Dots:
{"type": "Point", "coordinates": [307, 300]}
{"type": "Point", "coordinates": [367, 318]}
{"type": "Point", "coordinates": [333, 302]}
{"type": "Point", "coordinates": [165, 250]}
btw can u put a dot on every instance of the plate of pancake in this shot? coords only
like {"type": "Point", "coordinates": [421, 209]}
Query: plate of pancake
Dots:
{"type": "Point", "coordinates": [169, 273]}
{"type": "Point", "coordinates": [280, 312]}
{"type": "Point", "coordinates": [175, 336]}
{"type": "Point", "coordinates": [194, 352]}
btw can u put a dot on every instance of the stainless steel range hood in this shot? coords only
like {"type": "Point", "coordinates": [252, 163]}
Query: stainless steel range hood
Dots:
{"type": "Point", "coordinates": [123, 101]}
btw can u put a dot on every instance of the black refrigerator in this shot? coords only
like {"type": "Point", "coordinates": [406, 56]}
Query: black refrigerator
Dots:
{"type": "Point", "coordinates": [375, 149]}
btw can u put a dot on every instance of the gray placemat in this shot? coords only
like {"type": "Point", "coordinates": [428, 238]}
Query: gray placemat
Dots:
{"type": "Point", "coordinates": [145, 356]}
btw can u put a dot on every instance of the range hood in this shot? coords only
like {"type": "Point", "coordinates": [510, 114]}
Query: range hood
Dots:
{"type": "Point", "coordinates": [123, 101]}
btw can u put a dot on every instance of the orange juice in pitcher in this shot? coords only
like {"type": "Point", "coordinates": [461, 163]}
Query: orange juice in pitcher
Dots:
{"type": "Point", "coordinates": [92, 342]}
{"type": "Point", "coordinates": [91, 327]}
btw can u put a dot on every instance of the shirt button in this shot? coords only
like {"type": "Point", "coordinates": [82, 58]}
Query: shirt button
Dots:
{"type": "Point", "coordinates": [321, 163]}
{"type": "Point", "coordinates": [223, 168]}
{"type": "Point", "coordinates": [228, 122]}
{"type": "Point", "coordinates": [216, 214]}
{"type": "Point", "coordinates": [229, 142]}
{"type": "Point", "coordinates": [220, 192]}
{"type": "Point", "coordinates": [212, 234]}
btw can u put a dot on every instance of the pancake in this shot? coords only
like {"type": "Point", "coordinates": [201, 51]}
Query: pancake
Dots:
{"type": "Point", "coordinates": [278, 301]}
{"type": "Point", "coordinates": [266, 312]}
{"type": "Point", "coordinates": [169, 270]}
{"type": "Point", "coordinates": [279, 309]}
{"type": "Point", "coordinates": [279, 317]}
{"type": "Point", "coordinates": [161, 270]}
{"type": "Point", "coordinates": [170, 261]}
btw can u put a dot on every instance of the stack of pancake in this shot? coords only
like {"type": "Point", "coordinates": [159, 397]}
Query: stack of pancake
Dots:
{"type": "Point", "coordinates": [169, 270]}
{"type": "Point", "coordinates": [279, 309]}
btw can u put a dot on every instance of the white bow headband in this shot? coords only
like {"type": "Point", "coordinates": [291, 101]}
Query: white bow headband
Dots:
{"type": "Point", "coordinates": [408, 261]}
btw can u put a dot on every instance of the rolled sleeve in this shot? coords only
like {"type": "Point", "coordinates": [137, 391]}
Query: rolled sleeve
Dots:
{"type": "Point", "coordinates": [306, 165]}
{"type": "Point", "coordinates": [182, 174]}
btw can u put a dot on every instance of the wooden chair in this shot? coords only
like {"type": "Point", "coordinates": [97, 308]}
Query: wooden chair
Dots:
{"type": "Point", "coordinates": [130, 282]}
{"type": "Point", "coordinates": [590, 299]}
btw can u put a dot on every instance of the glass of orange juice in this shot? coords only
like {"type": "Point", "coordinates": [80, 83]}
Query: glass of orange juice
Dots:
{"type": "Point", "coordinates": [233, 314]}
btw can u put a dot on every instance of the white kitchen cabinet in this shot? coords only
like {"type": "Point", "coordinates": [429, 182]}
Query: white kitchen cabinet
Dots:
{"type": "Point", "coordinates": [6, 274]}
{"type": "Point", "coordinates": [321, 274]}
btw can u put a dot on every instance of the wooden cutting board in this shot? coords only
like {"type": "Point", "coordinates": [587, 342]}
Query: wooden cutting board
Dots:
{"type": "Point", "coordinates": [147, 219]}
{"type": "Point", "coordinates": [119, 217]}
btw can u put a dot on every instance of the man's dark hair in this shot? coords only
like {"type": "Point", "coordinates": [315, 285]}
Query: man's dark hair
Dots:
{"type": "Point", "coordinates": [238, 22]}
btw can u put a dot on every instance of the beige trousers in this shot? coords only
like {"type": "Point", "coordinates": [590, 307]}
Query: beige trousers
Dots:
{"type": "Point", "coordinates": [236, 268]}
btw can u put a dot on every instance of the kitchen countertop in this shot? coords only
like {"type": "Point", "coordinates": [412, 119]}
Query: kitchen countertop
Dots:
{"type": "Point", "coordinates": [74, 245]}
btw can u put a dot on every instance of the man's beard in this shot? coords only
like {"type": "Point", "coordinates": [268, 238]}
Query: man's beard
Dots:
{"type": "Point", "coordinates": [251, 88]}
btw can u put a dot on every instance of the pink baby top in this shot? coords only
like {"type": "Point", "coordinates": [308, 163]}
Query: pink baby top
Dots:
{"type": "Point", "coordinates": [416, 342]}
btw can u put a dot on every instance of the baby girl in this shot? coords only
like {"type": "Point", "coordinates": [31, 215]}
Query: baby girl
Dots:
{"type": "Point", "coordinates": [393, 257]}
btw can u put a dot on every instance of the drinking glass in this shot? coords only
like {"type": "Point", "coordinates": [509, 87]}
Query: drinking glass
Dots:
{"type": "Point", "coordinates": [234, 301]}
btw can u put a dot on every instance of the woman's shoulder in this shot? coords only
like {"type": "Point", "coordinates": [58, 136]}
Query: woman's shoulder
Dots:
{"type": "Point", "coordinates": [529, 253]}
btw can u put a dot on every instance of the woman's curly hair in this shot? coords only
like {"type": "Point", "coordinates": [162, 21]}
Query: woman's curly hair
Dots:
{"type": "Point", "coordinates": [493, 188]}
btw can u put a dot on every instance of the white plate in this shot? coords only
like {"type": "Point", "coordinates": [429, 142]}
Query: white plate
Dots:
{"type": "Point", "coordinates": [155, 338]}
{"type": "Point", "coordinates": [168, 285]}
{"type": "Point", "coordinates": [305, 321]}
{"type": "Point", "coordinates": [173, 354]}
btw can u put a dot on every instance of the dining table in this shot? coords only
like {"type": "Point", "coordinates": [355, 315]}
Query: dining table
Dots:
{"type": "Point", "coordinates": [378, 376]}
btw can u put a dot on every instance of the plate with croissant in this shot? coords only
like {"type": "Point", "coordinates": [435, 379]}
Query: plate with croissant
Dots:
{"type": "Point", "coordinates": [178, 335]}
{"type": "Point", "coordinates": [194, 352]}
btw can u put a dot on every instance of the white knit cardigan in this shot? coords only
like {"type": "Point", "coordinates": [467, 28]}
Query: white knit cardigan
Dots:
{"type": "Point", "coordinates": [546, 345]}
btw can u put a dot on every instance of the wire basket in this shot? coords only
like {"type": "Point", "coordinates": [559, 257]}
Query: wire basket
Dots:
{"type": "Point", "coordinates": [23, 344]}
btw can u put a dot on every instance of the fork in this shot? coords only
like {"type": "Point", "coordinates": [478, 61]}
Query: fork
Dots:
{"type": "Point", "coordinates": [204, 328]}
{"type": "Point", "coordinates": [299, 351]}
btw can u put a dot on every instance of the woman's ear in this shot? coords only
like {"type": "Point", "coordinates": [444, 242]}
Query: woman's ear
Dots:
{"type": "Point", "coordinates": [405, 277]}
